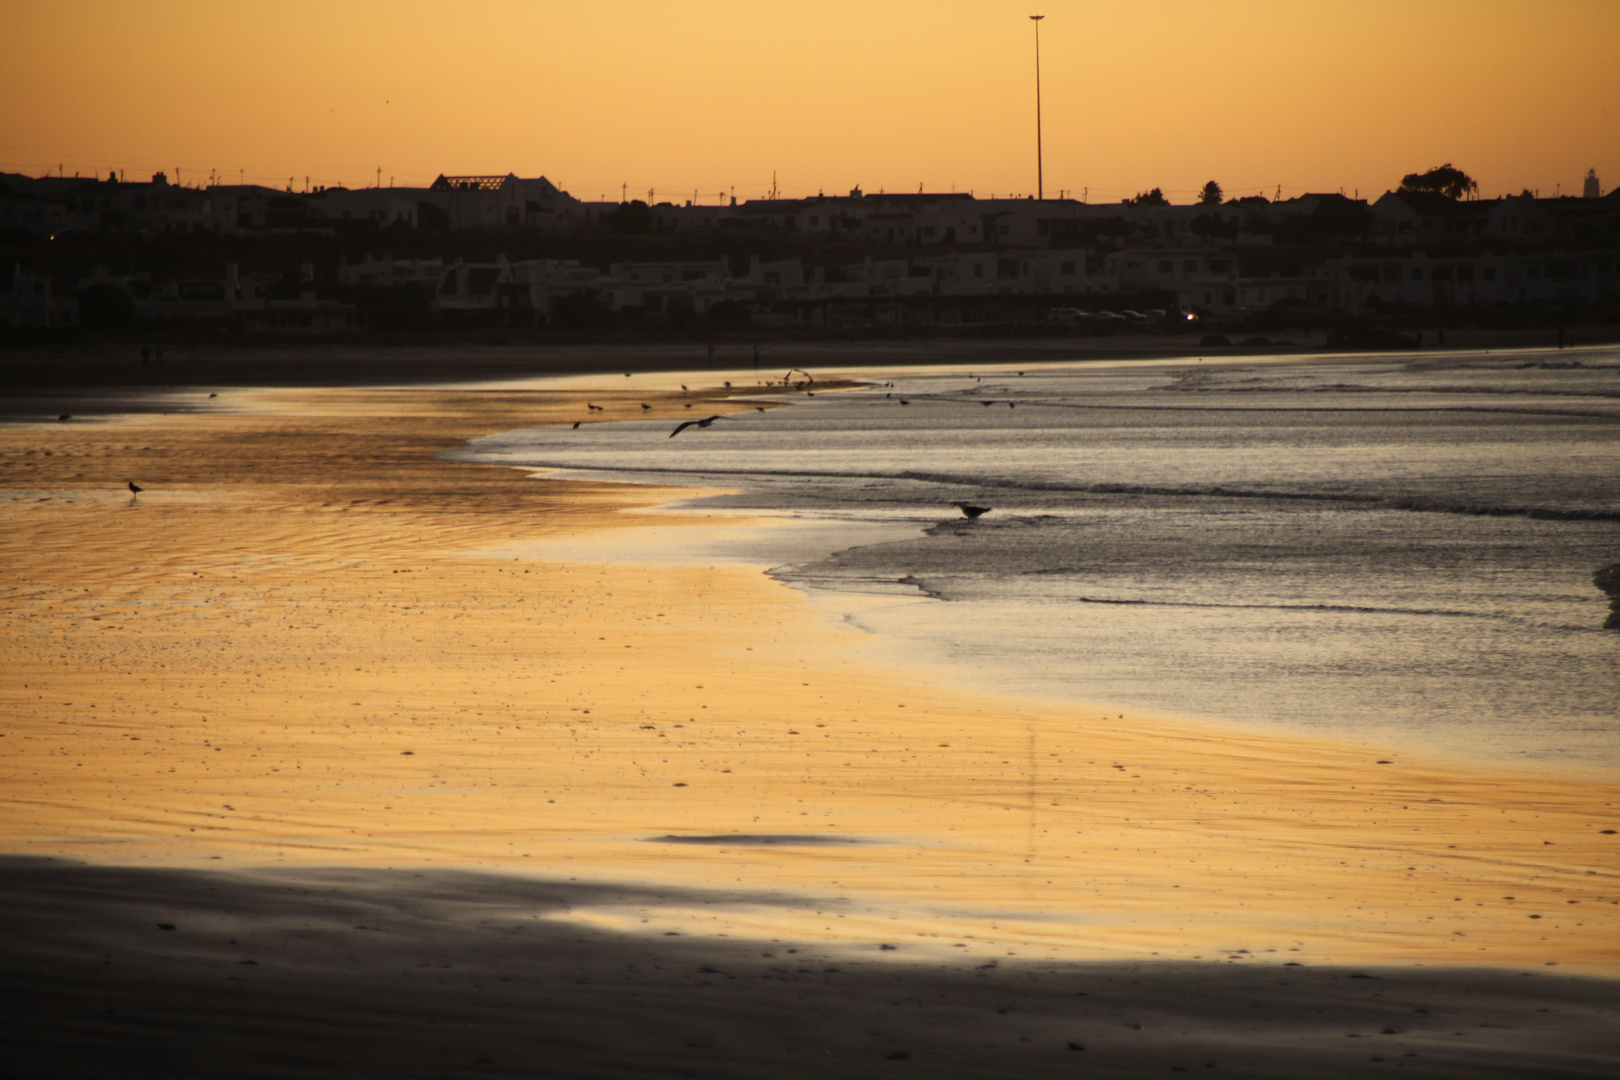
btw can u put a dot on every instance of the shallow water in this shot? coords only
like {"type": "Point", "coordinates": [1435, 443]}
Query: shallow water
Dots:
{"type": "Point", "coordinates": [1389, 548]}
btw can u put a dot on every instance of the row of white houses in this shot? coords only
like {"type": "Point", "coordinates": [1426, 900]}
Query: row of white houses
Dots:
{"type": "Point", "coordinates": [1207, 280]}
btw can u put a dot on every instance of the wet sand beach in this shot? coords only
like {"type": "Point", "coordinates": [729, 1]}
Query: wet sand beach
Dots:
{"type": "Point", "coordinates": [304, 665]}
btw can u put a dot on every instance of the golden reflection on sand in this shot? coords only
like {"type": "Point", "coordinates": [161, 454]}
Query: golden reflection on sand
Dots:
{"type": "Point", "coordinates": [298, 645]}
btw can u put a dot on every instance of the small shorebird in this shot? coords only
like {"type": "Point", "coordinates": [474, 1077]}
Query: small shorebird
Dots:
{"type": "Point", "coordinates": [705, 422]}
{"type": "Point", "coordinates": [64, 418]}
{"type": "Point", "coordinates": [577, 423]}
{"type": "Point", "coordinates": [593, 408]}
{"type": "Point", "coordinates": [971, 512]}
{"type": "Point", "coordinates": [646, 407]}
{"type": "Point", "coordinates": [134, 489]}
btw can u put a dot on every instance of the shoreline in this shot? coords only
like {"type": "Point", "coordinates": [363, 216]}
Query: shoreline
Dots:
{"type": "Point", "coordinates": [269, 552]}
{"type": "Point", "coordinates": [113, 369]}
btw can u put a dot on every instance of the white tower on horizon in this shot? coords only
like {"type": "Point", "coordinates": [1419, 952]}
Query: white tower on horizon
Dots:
{"type": "Point", "coordinates": [1592, 189]}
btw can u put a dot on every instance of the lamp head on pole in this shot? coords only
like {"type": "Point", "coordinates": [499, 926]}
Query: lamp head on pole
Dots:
{"type": "Point", "coordinates": [1036, 18]}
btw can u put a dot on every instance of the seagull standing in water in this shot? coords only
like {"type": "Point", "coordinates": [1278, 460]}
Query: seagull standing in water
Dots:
{"type": "Point", "coordinates": [705, 422]}
{"type": "Point", "coordinates": [134, 489]}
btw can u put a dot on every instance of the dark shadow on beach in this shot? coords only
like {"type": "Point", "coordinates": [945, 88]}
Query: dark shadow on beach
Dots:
{"type": "Point", "coordinates": [137, 972]}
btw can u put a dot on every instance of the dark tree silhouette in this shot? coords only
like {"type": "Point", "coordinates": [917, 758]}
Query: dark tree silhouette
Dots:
{"type": "Point", "coordinates": [430, 217]}
{"type": "Point", "coordinates": [1211, 194]}
{"type": "Point", "coordinates": [633, 218]}
{"type": "Point", "coordinates": [1441, 180]}
{"type": "Point", "coordinates": [1213, 227]}
{"type": "Point", "coordinates": [1151, 198]}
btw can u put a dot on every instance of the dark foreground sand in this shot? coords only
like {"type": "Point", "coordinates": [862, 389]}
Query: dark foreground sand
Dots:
{"type": "Point", "coordinates": [307, 972]}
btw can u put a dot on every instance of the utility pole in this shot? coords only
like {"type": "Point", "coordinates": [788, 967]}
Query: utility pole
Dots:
{"type": "Point", "coordinates": [1040, 188]}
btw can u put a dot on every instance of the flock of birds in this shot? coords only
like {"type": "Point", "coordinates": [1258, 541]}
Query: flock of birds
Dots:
{"type": "Point", "coordinates": [804, 383]}
{"type": "Point", "coordinates": [969, 511]}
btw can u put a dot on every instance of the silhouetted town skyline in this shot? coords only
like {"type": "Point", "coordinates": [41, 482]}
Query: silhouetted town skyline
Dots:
{"type": "Point", "coordinates": [506, 250]}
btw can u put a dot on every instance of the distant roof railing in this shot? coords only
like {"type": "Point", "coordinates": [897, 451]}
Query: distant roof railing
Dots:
{"type": "Point", "coordinates": [469, 183]}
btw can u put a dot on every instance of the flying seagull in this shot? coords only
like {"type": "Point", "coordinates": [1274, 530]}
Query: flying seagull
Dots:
{"type": "Point", "coordinates": [134, 489]}
{"type": "Point", "coordinates": [971, 511]}
{"type": "Point", "coordinates": [705, 422]}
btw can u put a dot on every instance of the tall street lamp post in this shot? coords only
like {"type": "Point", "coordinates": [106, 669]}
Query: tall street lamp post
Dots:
{"type": "Point", "coordinates": [1040, 186]}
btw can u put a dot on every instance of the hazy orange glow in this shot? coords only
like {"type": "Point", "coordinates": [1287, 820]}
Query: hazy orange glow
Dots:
{"type": "Point", "coordinates": [711, 95]}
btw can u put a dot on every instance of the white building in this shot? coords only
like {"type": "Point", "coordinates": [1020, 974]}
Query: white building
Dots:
{"type": "Point", "coordinates": [33, 303]}
{"type": "Point", "coordinates": [391, 272]}
{"type": "Point", "coordinates": [501, 202]}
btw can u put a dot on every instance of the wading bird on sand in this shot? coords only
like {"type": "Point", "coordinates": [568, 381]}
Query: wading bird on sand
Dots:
{"type": "Point", "coordinates": [971, 511]}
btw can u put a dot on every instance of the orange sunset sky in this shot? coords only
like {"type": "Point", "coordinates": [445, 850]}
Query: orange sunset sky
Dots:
{"type": "Point", "coordinates": [713, 95]}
